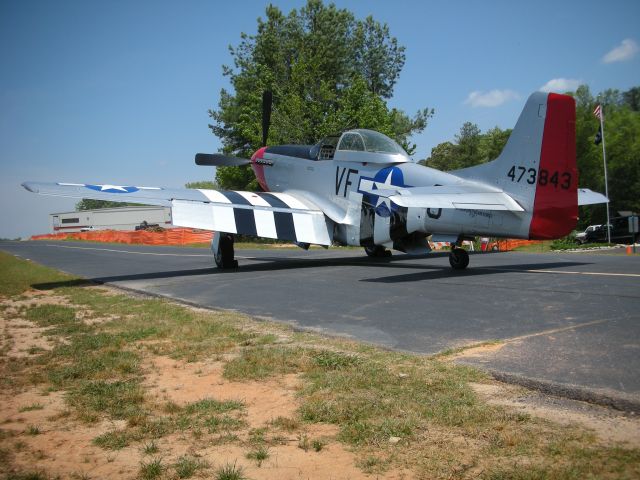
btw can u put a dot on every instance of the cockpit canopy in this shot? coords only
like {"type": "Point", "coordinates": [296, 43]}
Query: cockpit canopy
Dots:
{"type": "Point", "coordinates": [360, 145]}
{"type": "Point", "coordinates": [362, 140]}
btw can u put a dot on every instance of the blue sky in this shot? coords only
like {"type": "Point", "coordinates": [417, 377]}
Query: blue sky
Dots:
{"type": "Point", "coordinates": [117, 92]}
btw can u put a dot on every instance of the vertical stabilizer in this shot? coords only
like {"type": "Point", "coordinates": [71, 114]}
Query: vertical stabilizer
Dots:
{"type": "Point", "coordinates": [538, 166]}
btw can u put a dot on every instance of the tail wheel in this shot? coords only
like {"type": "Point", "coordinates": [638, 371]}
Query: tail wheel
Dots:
{"type": "Point", "coordinates": [377, 251]}
{"type": "Point", "coordinates": [224, 257]}
{"type": "Point", "coordinates": [458, 259]}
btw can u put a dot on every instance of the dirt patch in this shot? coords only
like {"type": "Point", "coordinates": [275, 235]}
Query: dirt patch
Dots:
{"type": "Point", "coordinates": [22, 338]}
{"type": "Point", "coordinates": [608, 425]}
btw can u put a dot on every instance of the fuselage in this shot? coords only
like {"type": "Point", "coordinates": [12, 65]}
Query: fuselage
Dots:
{"type": "Point", "coordinates": [339, 187]}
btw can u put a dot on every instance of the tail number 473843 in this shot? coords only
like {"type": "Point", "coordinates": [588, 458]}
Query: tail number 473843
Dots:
{"type": "Point", "coordinates": [557, 179]}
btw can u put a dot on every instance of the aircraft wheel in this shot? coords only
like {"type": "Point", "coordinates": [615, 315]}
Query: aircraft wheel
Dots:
{"type": "Point", "coordinates": [458, 259]}
{"type": "Point", "coordinates": [377, 251]}
{"type": "Point", "coordinates": [224, 257]}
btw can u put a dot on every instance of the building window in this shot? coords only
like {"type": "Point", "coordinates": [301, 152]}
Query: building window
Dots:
{"type": "Point", "coordinates": [70, 220]}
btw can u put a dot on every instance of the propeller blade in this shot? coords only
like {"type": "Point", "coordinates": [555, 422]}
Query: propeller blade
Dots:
{"type": "Point", "coordinates": [220, 160]}
{"type": "Point", "coordinates": [267, 101]}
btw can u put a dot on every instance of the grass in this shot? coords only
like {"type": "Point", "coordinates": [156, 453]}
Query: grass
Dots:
{"type": "Point", "coordinates": [370, 395]}
{"type": "Point", "coordinates": [259, 454]}
{"type": "Point", "coordinates": [33, 430]}
{"type": "Point", "coordinates": [186, 466]}
{"type": "Point", "coordinates": [48, 315]}
{"type": "Point", "coordinates": [113, 440]}
{"type": "Point", "coordinates": [150, 448]}
{"type": "Point", "coordinates": [229, 471]}
{"type": "Point", "coordinates": [152, 469]}
{"type": "Point", "coordinates": [30, 408]}
{"type": "Point", "coordinates": [19, 275]}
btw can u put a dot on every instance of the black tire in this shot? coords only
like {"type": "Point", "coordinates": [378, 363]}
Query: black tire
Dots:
{"type": "Point", "coordinates": [377, 251]}
{"type": "Point", "coordinates": [224, 257]}
{"type": "Point", "coordinates": [458, 259]}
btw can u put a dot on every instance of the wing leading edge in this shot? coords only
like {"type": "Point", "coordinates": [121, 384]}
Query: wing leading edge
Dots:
{"type": "Point", "coordinates": [271, 215]}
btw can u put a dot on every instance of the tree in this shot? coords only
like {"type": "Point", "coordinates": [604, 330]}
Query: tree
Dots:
{"type": "Point", "coordinates": [89, 204]}
{"type": "Point", "coordinates": [622, 124]}
{"type": "Point", "coordinates": [328, 72]}
{"type": "Point", "coordinates": [471, 148]}
{"type": "Point", "coordinates": [205, 184]}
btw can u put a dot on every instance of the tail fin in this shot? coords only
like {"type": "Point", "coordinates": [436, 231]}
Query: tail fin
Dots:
{"type": "Point", "coordinates": [537, 166]}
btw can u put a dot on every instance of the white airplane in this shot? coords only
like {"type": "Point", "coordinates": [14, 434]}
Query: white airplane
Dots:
{"type": "Point", "coordinates": [361, 188]}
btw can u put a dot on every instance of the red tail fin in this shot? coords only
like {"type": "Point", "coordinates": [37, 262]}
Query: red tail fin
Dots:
{"type": "Point", "coordinates": [555, 210]}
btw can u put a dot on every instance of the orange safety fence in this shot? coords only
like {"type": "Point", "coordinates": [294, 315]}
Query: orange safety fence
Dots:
{"type": "Point", "coordinates": [188, 236]}
{"type": "Point", "coordinates": [171, 236]}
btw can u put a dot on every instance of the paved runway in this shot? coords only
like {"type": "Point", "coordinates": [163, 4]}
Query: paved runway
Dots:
{"type": "Point", "coordinates": [567, 318]}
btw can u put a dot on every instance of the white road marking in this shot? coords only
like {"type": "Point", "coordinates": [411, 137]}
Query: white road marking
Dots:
{"type": "Point", "coordinates": [141, 253]}
{"type": "Point", "coordinates": [566, 272]}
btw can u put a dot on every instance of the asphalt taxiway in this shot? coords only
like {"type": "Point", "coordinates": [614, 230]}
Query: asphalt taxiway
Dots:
{"type": "Point", "coordinates": [568, 322]}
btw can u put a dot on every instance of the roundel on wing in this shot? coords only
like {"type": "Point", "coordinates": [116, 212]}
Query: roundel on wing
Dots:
{"type": "Point", "coordinates": [112, 188]}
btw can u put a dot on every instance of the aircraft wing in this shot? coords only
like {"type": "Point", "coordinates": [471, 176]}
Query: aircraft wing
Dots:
{"type": "Point", "coordinates": [280, 216]}
{"type": "Point", "coordinates": [462, 196]}
{"type": "Point", "coordinates": [589, 197]}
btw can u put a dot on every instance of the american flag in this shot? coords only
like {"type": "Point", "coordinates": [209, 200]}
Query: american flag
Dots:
{"type": "Point", "coordinates": [598, 112]}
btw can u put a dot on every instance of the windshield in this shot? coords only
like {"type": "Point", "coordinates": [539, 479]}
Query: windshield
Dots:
{"type": "Point", "coordinates": [368, 141]}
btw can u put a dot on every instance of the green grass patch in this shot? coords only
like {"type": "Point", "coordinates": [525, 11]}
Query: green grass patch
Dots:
{"type": "Point", "coordinates": [152, 469]}
{"type": "Point", "coordinates": [262, 362]}
{"type": "Point", "coordinates": [114, 440]}
{"type": "Point", "coordinates": [118, 399]}
{"type": "Point", "coordinates": [229, 471]}
{"type": "Point", "coordinates": [18, 275]}
{"type": "Point", "coordinates": [258, 454]}
{"type": "Point", "coordinates": [48, 315]}
{"type": "Point", "coordinates": [187, 466]}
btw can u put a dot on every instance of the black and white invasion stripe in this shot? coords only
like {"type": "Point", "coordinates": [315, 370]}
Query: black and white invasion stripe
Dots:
{"type": "Point", "coordinates": [271, 215]}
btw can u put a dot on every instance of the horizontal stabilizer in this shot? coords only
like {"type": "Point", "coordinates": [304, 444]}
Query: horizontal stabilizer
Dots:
{"type": "Point", "coordinates": [589, 197]}
{"type": "Point", "coordinates": [467, 197]}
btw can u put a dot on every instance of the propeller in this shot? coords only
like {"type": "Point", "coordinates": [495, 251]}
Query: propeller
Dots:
{"type": "Point", "coordinates": [267, 101]}
{"type": "Point", "coordinates": [221, 160]}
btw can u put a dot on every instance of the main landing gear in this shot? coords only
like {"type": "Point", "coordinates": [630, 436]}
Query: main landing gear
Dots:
{"type": "Point", "coordinates": [458, 258]}
{"type": "Point", "coordinates": [223, 253]}
{"type": "Point", "coordinates": [377, 251]}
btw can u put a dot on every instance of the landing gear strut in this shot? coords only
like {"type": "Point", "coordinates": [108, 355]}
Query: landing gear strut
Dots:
{"type": "Point", "coordinates": [222, 247]}
{"type": "Point", "coordinates": [458, 258]}
{"type": "Point", "coordinates": [377, 251]}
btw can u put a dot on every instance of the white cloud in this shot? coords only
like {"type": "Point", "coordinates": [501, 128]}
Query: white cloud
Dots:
{"type": "Point", "coordinates": [561, 85]}
{"type": "Point", "coordinates": [493, 98]}
{"type": "Point", "coordinates": [623, 52]}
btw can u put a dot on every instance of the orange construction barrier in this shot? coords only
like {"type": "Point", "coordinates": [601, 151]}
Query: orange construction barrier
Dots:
{"type": "Point", "coordinates": [171, 236]}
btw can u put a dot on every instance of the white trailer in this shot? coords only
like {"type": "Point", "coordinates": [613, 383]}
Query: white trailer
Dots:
{"type": "Point", "coordinates": [121, 218]}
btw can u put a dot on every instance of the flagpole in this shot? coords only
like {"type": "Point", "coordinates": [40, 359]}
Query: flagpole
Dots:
{"type": "Point", "coordinates": [606, 181]}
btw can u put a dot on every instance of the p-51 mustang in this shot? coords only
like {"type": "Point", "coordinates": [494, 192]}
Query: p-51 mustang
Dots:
{"type": "Point", "coordinates": [362, 189]}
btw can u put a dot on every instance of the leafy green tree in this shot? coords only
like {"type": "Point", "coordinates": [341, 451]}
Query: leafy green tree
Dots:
{"type": "Point", "coordinates": [328, 72]}
{"type": "Point", "coordinates": [471, 148]}
{"type": "Point", "coordinates": [89, 204]}
{"type": "Point", "coordinates": [622, 124]}
{"type": "Point", "coordinates": [205, 184]}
